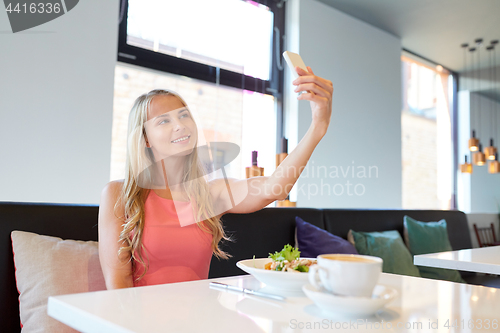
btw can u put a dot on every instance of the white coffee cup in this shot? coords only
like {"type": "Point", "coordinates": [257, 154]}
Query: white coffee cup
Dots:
{"type": "Point", "coordinates": [346, 274]}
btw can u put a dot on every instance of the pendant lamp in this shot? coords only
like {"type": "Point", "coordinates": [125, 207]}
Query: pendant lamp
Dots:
{"type": "Point", "coordinates": [490, 151]}
{"type": "Point", "coordinates": [494, 166]}
{"type": "Point", "coordinates": [478, 157]}
{"type": "Point", "coordinates": [466, 167]}
{"type": "Point", "coordinates": [473, 142]}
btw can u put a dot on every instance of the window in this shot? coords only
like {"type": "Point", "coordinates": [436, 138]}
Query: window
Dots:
{"type": "Point", "coordinates": [427, 135]}
{"type": "Point", "coordinates": [232, 42]}
{"type": "Point", "coordinates": [239, 42]}
{"type": "Point", "coordinates": [223, 65]}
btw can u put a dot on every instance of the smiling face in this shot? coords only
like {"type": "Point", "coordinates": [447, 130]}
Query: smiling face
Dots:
{"type": "Point", "coordinates": [170, 129]}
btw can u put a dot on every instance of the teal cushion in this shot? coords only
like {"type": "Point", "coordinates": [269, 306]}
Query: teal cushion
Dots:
{"type": "Point", "coordinates": [387, 245]}
{"type": "Point", "coordinates": [430, 237]}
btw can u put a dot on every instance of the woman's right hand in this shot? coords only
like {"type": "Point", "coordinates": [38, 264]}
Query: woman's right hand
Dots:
{"type": "Point", "coordinates": [117, 271]}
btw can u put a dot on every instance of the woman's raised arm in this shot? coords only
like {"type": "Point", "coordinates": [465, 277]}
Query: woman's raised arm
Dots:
{"type": "Point", "coordinates": [255, 193]}
{"type": "Point", "coordinates": [117, 270]}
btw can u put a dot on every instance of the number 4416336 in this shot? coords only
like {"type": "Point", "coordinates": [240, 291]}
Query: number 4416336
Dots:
{"type": "Point", "coordinates": [34, 8]}
{"type": "Point", "coordinates": [485, 324]}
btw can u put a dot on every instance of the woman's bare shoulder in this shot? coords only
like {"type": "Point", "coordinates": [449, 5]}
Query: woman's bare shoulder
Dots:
{"type": "Point", "coordinates": [111, 191]}
{"type": "Point", "coordinates": [114, 185]}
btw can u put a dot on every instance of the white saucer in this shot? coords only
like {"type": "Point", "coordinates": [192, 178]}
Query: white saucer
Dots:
{"type": "Point", "coordinates": [348, 305]}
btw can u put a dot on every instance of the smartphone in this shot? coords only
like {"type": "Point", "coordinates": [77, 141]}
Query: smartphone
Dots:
{"type": "Point", "coordinates": [293, 60]}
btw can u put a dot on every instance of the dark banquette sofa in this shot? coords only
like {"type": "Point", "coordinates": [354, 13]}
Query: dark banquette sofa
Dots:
{"type": "Point", "coordinates": [258, 233]}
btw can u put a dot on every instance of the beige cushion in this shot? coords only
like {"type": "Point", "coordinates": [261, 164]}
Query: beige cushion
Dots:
{"type": "Point", "coordinates": [48, 266]}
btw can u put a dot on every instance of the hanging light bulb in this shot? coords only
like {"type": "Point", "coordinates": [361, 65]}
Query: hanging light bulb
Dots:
{"type": "Point", "coordinates": [466, 167]}
{"type": "Point", "coordinates": [494, 166]}
{"type": "Point", "coordinates": [490, 151]}
{"type": "Point", "coordinates": [478, 157]}
{"type": "Point", "coordinates": [473, 142]}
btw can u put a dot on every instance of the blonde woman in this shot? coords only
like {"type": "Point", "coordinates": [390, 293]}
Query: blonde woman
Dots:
{"type": "Point", "coordinates": [162, 223]}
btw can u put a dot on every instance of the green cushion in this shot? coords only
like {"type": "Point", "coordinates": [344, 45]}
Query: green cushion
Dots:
{"type": "Point", "coordinates": [387, 245]}
{"type": "Point", "coordinates": [430, 237]}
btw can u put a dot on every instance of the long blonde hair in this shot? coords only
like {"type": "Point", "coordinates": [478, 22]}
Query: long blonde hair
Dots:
{"type": "Point", "coordinates": [133, 196]}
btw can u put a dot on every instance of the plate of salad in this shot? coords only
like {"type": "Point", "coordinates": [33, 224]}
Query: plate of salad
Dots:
{"type": "Point", "coordinates": [282, 270]}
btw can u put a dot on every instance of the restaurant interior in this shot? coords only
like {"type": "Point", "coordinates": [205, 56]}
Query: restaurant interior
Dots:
{"type": "Point", "coordinates": [407, 171]}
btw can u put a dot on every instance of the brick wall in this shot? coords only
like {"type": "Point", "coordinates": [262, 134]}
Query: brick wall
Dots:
{"type": "Point", "coordinates": [419, 154]}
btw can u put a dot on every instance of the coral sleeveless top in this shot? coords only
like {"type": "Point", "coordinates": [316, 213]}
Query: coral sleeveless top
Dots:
{"type": "Point", "coordinates": [177, 251]}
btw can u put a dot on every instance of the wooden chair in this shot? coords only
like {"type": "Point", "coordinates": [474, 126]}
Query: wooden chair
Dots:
{"type": "Point", "coordinates": [486, 236]}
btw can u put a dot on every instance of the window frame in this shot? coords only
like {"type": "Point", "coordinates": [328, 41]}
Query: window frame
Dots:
{"type": "Point", "coordinates": [171, 64]}
{"type": "Point", "coordinates": [166, 63]}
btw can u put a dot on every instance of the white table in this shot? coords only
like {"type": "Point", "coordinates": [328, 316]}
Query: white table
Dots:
{"type": "Point", "coordinates": [481, 260]}
{"type": "Point", "coordinates": [194, 307]}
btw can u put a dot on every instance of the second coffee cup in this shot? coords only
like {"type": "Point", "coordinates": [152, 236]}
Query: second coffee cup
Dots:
{"type": "Point", "coordinates": [346, 274]}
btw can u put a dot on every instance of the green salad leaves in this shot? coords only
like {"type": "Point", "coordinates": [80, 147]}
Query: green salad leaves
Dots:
{"type": "Point", "coordinates": [288, 259]}
{"type": "Point", "coordinates": [288, 253]}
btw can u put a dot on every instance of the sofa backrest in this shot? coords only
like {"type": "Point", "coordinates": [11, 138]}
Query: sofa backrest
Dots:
{"type": "Point", "coordinates": [258, 234]}
{"type": "Point", "coordinates": [339, 221]}
{"type": "Point", "coordinates": [275, 227]}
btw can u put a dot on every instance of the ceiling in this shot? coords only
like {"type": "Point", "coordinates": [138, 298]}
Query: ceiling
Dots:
{"type": "Point", "coordinates": [433, 29]}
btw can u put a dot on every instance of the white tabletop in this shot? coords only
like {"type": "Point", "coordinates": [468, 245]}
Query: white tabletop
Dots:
{"type": "Point", "coordinates": [194, 307]}
{"type": "Point", "coordinates": [481, 260]}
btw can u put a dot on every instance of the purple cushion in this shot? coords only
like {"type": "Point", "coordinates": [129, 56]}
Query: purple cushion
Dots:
{"type": "Point", "coordinates": [313, 241]}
